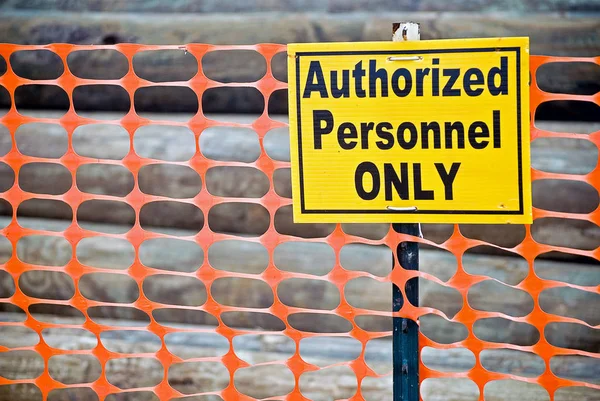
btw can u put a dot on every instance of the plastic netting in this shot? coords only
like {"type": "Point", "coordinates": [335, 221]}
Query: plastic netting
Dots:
{"type": "Point", "coordinates": [43, 384]}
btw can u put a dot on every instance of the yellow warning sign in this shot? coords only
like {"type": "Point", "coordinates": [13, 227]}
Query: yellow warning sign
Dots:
{"type": "Point", "coordinates": [427, 131]}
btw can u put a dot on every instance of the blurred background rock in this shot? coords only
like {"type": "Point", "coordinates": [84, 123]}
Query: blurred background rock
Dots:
{"type": "Point", "coordinates": [555, 27]}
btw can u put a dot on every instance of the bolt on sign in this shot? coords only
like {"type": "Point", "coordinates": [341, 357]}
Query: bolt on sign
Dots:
{"type": "Point", "coordinates": [424, 131]}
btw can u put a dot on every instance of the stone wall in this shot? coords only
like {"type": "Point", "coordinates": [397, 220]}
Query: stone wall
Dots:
{"type": "Point", "coordinates": [569, 34]}
{"type": "Point", "coordinates": [290, 6]}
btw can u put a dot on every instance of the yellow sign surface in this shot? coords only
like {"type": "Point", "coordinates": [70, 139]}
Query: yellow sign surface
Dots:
{"type": "Point", "coordinates": [426, 131]}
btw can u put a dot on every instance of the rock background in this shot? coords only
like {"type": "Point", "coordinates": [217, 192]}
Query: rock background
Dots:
{"type": "Point", "coordinates": [556, 27]}
{"type": "Point", "coordinates": [567, 28]}
{"type": "Point", "coordinates": [171, 143]}
{"type": "Point", "coordinates": [292, 6]}
{"type": "Point", "coordinates": [332, 382]}
{"type": "Point", "coordinates": [314, 259]}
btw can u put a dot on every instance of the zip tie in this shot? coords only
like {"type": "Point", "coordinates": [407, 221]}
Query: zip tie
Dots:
{"type": "Point", "coordinates": [404, 58]}
{"type": "Point", "coordinates": [402, 209]}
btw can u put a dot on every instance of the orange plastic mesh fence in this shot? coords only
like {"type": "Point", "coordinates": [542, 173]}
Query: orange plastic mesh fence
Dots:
{"type": "Point", "coordinates": [43, 385]}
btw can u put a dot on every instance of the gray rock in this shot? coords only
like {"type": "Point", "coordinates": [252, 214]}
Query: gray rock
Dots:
{"type": "Point", "coordinates": [269, 379]}
{"type": "Point", "coordinates": [172, 144]}
{"type": "Point", "coordinates": [316, 259]}
{"type": "Point", "coordinates": [321, 6]}
{"type": "Point", "coordinates": [564, 34]}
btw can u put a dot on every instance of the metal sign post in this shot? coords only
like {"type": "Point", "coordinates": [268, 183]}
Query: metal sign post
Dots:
{"type": "Point", "coordinates": [405, 340]}
{"type": "Point", "coordinates": [406, 331]}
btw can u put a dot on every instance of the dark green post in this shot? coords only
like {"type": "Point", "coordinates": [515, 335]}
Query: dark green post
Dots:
{"type": "Point", "coordinates": [406, 332]}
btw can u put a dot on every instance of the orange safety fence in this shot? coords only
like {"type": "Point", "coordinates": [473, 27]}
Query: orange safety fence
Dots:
{"type": "Point", "coordinates": [273, 276]}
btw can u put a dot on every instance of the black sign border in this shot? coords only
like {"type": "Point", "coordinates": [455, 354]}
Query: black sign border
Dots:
{"type": "Point", "coordinates": [303, 209]}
